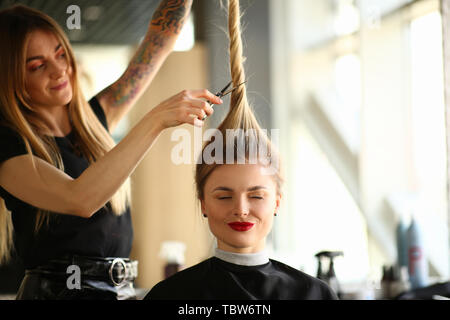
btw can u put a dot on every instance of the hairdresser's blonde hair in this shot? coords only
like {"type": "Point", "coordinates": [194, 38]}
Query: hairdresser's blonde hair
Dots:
{"type": "Point", "coordinates": [240, 115]}
{"type": "Point", "coordinates": [18, 113]}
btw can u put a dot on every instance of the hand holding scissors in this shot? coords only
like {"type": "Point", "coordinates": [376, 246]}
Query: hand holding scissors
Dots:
{"type": "Point", "coordinates": [224, 92]}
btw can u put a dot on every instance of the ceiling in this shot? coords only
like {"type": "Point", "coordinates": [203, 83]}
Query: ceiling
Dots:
{"type": "Point", "coordinates": [102, 21]}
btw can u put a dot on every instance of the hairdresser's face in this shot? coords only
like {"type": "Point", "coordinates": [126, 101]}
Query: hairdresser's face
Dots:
{"type": "Point", "coordinates": [48, 75]}
{"type": "Point", "coordinates": [240, 202]}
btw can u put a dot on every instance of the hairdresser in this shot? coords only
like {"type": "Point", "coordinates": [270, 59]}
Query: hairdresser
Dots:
{"type": "Point", "coordinates": [64, 184]}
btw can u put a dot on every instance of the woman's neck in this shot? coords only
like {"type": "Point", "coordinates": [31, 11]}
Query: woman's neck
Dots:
{"type": "Point", "coordinates": [243, 259]}
{"type": "Point", "coordinates": [56, 119]}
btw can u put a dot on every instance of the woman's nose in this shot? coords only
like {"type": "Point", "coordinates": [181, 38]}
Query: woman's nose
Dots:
{"type": "Point", "coordinates": [241, 208]}
{"type": "Point", "coordinates": [58, 70]}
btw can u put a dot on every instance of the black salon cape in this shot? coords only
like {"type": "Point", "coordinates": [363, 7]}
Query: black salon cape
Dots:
{"type": "Point", "coordinates": [215, 279]}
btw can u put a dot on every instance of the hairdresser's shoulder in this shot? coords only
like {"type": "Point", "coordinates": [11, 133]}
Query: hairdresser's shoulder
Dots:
{"type": "Point", "coordinates": [11, 143]}
{"type": "Point", "coordinates": [9, 135]}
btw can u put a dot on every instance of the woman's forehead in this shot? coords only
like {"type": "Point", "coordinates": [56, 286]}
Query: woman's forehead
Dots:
{"type": "Point", "coordinates": [40, 41]}
{"type": "Point", "coordinates": [239, 176]}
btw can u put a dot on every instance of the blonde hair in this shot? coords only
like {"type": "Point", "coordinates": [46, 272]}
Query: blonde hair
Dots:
{"type": "Point", "coordinates": [17, 111]}
{"type": "Point", "coordinates": [240, 115]}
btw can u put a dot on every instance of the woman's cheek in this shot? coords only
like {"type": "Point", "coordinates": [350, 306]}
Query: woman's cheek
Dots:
{"type": "Point", "coordinates": [33, 88]}
{"type": "Point", "coordinates": [69, 71]}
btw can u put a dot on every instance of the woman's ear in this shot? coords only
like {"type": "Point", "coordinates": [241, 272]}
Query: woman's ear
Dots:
{"type": "Point", "coordinates": [277, 202]}
{"type": "Point", "coordinates": [202, 206]}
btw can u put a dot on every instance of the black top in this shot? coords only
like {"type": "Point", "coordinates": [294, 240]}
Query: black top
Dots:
{"type": "Point", "coordinates": [102, 235]}
{"type": "Point", "coordinates": [215, 279]}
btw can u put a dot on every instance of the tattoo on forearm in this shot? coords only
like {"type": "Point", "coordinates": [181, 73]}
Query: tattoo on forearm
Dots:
{"type": "Point", "coordinates": [127, 87]}
{"type": "Point", "coordinates": [170, 15]}
{"type": "Point", "coordinates": [130, 84]}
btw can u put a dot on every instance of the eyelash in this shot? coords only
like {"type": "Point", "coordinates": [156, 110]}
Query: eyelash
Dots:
{"type": "Point", "coordinates": [253, 197]}
{"type": "Point", "coordinates": [62, 55]}
{"type": "Point", "coordinates": [36, 68]}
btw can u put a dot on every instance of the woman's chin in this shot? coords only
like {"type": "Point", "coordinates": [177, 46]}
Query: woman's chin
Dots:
{"type": "Point", "coordinates": [65, 100]}
{"type": "Point", "coordinates": [240, 247]}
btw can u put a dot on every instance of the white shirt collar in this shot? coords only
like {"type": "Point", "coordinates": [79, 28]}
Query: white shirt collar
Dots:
{"type": "Point", "coordinates": [243, 259]}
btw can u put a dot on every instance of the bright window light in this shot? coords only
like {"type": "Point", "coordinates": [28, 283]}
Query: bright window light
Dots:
{"type": "Point", "coordinates": [347, 73]}
{"type": "Point", "coordinates": [186, 40]}
{"type": "Point", "coordinates": [327, 217]}
{"type": "Point", "coordinates": [347, 18]}
{"type": "Point", "coordinates": [428, 133]}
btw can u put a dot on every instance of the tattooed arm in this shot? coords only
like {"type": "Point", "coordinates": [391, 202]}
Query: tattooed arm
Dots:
{"type": "Point", "coordinates": [164, 28]}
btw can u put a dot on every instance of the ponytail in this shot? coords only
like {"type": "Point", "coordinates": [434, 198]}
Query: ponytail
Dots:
{"type": "Point", "coordinates": [240, 114]}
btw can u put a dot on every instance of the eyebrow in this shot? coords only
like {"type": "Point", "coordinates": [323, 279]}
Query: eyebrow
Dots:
{"type": "Point", "coordinates": [41, 57]}
{"type": "Point", "coordinates": [229, 189]}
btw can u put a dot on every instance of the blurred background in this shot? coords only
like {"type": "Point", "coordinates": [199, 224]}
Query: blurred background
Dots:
{"type": "Point", "coordinates": [356, 89]}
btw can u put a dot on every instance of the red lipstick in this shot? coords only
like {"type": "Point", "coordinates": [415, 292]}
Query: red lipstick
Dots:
{"type": "Point", "coordinates": [61, 86]}
{"type": "Point", "coordinates": [241, 226]}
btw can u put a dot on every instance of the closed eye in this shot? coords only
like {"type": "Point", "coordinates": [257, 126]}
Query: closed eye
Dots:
{"type": "Point", "coordinates": [37, 67]}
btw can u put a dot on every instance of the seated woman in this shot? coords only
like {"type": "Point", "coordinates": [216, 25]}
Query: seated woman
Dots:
{"type": "Point", "coordinates": [240, 200]}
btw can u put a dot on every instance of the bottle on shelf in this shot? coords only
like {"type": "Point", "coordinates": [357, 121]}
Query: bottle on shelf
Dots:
{"type": "Point", "coordinates": [417, 260]}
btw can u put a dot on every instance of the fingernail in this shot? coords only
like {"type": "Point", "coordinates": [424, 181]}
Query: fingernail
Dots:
{"type": "Point", "coordinates": [198, 123]}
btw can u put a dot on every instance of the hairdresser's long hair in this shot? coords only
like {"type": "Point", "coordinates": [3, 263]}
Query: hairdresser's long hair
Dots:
{"type": "Point", "coordinates": [18, 113]}
{"type": "Point", "coordinates": [240, 114]}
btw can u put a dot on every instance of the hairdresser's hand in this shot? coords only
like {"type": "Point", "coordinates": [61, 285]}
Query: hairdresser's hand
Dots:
{"type": "Point", "coordinates": [188, 106]}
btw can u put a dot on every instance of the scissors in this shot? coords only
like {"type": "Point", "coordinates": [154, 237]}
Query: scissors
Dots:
{"type": "Point", "coordinates": [224, 92]}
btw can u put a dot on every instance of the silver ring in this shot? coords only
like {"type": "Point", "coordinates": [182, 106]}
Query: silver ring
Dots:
{"type": "Point", "coordinates": [118, 260]}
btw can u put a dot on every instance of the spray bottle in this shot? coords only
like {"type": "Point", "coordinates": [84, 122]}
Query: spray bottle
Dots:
{"type": "Point", "coordinates": [417, 260]}
{"type": "Point", "coordinates": [402, 240]}
{"type": "Point", "coordinates": [330, 276]}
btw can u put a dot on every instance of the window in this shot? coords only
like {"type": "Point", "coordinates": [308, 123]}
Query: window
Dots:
{"type": "Point", "coordinates": [348, 88]}
{"type": "Point", "coordinates": [366, 127]}
{"type": "Point", "coordinates": [428, 134]}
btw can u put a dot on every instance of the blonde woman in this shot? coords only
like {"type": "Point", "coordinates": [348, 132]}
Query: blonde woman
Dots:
{"type": "Point", "coordinates": [240, 200]}
{"type": "Point", "coordinates": [64, 185]}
